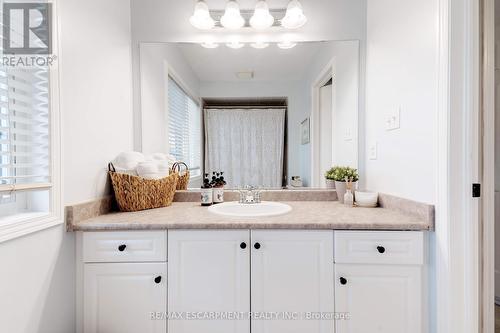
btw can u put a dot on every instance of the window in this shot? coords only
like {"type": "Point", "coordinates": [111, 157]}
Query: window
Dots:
{"type": "Point", "coordinates": [184, 136]}
{"type": "Point", "coordinates": [25, 180]}
{"type": "Point", "coordinates": [30, 143]}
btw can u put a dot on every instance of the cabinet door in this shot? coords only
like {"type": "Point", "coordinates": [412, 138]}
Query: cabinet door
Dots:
{"type": "Point", "coordinates": [379, 298]}
{"type": "Point", "coordinates": [209, 278]}
{"type": "Point", "coordinates": [292, 276]}
{"type": "Point", "coordinates": [123, 297]}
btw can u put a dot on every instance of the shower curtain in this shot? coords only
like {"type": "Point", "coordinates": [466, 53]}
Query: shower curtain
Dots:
{"type": "Point", "coordinates": [247, 144]}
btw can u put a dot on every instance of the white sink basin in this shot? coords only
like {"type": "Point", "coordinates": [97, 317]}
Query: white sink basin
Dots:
{"type": "Point", "coordinates": [265, 208]}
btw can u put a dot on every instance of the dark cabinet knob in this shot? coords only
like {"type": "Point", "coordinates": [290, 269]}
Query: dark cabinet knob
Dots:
{"type": "Point", "coordinates": [343, 281]}
{"type": "Point", "coordinates": [122, 247]}
{"type": "Point", "coordinates": [243, 245]}
{"type": "Point", "coordinates": [380, 249]}
{"type": "Point", "coordinates": [158, 279]}
{"type": "Point", "coordinates": [256, 246]}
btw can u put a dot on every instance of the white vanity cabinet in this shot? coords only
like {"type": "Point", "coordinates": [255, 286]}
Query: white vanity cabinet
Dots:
{"type": "Point", "coordinates": [378, 281]}
{"type": "Point", "coordinates": [252, 281]}
{"type": "Point", "coordinates": [266, 271]}
{"type": "Point", "coordinates": [209, 273]}
{"type": "Point", "coordinates": [122, 297]}
{"type": "Point", "coordinates": [292, 274]}
{"type": "Point", "coordinates": [124, 282]}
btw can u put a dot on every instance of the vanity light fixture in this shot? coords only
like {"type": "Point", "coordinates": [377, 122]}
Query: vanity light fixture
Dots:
{"type": "Point", "coordinates": [294, 17]}
{"type": "Point", "coordinates": [286, 45]}
{"type": "Point", "coordinates": [201, 18]}
{"type": "Point", "coordinates": [261, 19]}
{"type": "Point", "coordinates": [232, 18]}
{"type": "Point", "coordinates": [259, 45]}
{"type": "Point", "coordinates": [209, 45]}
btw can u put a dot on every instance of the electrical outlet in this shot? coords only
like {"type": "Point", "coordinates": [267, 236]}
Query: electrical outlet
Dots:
{"type": "Point", "coordinates": [372, 151]}
{"type": "Point", "coordinates": [392, 121]}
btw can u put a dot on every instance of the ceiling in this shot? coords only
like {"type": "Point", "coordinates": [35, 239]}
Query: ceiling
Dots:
{"type": "Point", "coordinates": [269, 64]}
{"type": "Point", "coordinates": [167, 21]}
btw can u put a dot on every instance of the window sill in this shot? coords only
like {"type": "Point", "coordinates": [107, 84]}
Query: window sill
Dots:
{"type": "Point", "coordinates": [23, 224]}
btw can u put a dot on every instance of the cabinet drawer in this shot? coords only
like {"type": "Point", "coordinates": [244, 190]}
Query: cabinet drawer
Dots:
{"type": "Point", "coordinates": [386, 247]}
{"type": "Point", "coordinates": [125, 246]}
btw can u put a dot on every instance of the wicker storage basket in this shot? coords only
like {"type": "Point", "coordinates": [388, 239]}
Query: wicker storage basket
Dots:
{"type": "Point", "coordinates": [135, 193]}
{"type": "Point", "coordinates": [182, 170]}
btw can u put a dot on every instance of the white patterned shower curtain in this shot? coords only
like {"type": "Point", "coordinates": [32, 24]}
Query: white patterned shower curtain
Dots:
{"type": "Point", "coordinates": [247, 144]}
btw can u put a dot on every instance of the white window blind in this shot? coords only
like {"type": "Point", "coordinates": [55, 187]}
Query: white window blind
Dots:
{"type": "Point", "coordinates": [24, 129]}
{"type": "Point", "coordinates": [184, 134]}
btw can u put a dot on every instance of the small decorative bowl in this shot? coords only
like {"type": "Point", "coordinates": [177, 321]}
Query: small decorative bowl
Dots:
{"type": "Point", "coordinates": [366, 199]}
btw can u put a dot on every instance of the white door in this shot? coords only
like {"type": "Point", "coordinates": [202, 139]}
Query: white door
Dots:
{"type": "Point", "coordinates": [209, 278]}
{"type": "Point", "coordinates": [325, 131]}
{"type": "Point", "coordinates": [292, 275]}
{"type": "Point", "coordinates": [123, 297]}
{"type": "Point", "coordinates": [379, 298]}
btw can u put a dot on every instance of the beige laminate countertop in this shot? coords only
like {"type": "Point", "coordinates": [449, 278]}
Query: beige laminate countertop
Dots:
{"type": "Point", "coordinates": [304, 215]}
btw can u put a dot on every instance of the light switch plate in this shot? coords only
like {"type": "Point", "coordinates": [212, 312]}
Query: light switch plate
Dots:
{"type": "Point", "coordinates": [372, 151]}
{"type": "Point", "coordinates": [392, 121]}
{"type": "Point", "coordinates": [348, 135]}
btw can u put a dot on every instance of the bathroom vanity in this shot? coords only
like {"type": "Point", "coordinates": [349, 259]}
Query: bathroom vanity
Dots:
{"type": "Point", "coordinates": [183, 270]}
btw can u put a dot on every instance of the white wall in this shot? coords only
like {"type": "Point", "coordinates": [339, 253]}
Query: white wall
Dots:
{"type": "Point", "coordinates": [157, 61]}
{"type": "Point", "coordinates": [402, 70]}
{"type": "Point", "coordinates": [37, 283]}
{"type": "Point", "coordinates": [37, 280]}
{"type": "Point", "coordinates": [96, 91]}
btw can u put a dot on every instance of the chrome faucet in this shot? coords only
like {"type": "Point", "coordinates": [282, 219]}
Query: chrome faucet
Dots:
{"type": "Point", "coordinates": [249, 195]}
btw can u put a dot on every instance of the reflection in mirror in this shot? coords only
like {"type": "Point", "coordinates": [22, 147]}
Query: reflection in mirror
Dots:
{"type": "Point", "coordinates": [266, 117]}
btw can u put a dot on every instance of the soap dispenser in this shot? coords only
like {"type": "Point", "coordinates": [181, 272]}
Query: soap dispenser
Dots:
{"type": "Point", "coordinates": [348, 196]}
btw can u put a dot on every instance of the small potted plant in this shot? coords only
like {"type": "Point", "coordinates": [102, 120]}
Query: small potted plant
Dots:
{"type": "Point", "coordinates": [330, 177]}
{"type": "Point", "coordinates": [206, 192]}
{"type": "Point", "coordinates": [340, 174]}
{"type": "Point", "coordinates": [218, 183]}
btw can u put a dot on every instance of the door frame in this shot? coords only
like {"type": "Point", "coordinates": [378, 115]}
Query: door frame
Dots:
{"type": "Point", "coordinates": [327, 73]}
{"type": "Point", "coordinates": [487, 160]}
{"type": "Point", "coordinates": [456, 255]}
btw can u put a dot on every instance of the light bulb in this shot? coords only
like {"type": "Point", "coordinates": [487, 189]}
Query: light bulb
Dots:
{"type": "Point", "coordinates": [201, 18]}
{"type": "Point", "coordinates": [294, 17]}
{"type": "Point", "coordinates": [261, 19]}
{"type": "Point", "coordinates": [286, 44]}
{"type": "Point", "coordinates": [209, 45]}
{"type": "Point", "coordinates": [232, 18]}
{"type": "Point", "coordinates": [259, 45]}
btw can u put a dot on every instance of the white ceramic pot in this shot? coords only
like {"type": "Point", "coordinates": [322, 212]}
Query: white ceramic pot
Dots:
{"type": "Point", "coordinates": [206, 196]}
{"type": "Point", "coordinates": [340, 187]}
{"type": "Point", "coordinates": [218, 194]}
{"type": "Point", "coordinates": [330, 183]}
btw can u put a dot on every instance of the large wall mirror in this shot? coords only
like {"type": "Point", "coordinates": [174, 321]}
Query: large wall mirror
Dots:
{"type": "Point", "coordinates": [263, 114]}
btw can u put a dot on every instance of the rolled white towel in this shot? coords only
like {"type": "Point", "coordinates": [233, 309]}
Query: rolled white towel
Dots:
{"type": "Point", "coordinates": [164, 161]}
{"type": "Point", "coordinates": [152, 176]}
{"type": "Point", "coordinates": [163, 167]}
{"type": "Point", "coordinates": [147, 168]}
{"type": "Point", "coordinates": [128, 160]}
{"type": "Point", "coordinates": [132, 172]}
